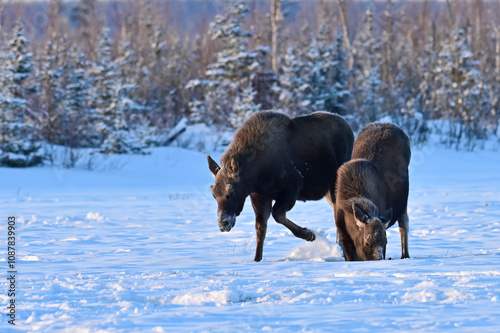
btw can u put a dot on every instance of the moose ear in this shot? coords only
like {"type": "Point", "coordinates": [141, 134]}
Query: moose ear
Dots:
{"type": "Point", "coordinates": [213, 166]}
{"type": "Point", "coordinates": [359, 215]}
{"type": "Point", "coordinates": [386, 218]}
{"type": "Point", "coordinates": [232, 168]}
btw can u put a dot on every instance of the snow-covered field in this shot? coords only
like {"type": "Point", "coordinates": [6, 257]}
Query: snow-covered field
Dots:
{"type": "Point", "coordinates": [133, 246]}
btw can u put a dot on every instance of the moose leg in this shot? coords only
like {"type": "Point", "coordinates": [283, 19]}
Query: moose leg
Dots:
{"type": "Point", "coordinates": [348, 247]}
{"type": "Point", "coordinates": [404, 229]}
{"type": "Point", "coordinates": [343, 238]}
{"type": "Point", "coordinates": [283, 204]}
{"type": "Point", "coordinates": [262, 209]}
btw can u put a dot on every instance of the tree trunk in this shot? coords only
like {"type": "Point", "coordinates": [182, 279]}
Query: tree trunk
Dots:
{"type": "Point", "coordinates": [343, 18]}
{"type": "Point", "coordinates": [275, 18]}
{"type": "Point", "coordinates": [497, 54]}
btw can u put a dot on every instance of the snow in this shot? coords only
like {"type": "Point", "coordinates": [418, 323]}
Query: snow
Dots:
{"type": "Point", "coordinates": [134, 246]}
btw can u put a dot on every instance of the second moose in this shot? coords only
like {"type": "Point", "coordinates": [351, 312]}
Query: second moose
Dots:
{"type": "Point", "coordinates": [372, 193]}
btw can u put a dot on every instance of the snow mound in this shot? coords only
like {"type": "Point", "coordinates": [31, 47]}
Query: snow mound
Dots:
{"type": "Point", "coordinates": [319, 250]}
{"type": "Point", "coordinates": [93, 216]}
{"type": "Point", "coordinates": [219, 297]}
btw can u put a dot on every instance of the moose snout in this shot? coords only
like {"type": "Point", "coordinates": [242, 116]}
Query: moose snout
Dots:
{"type": "Point", "coordinates": [379, 253]}
{"type": "Point", "coordinates": [226, 222]}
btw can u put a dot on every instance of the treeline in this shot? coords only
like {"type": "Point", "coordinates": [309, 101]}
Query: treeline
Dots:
{"type": "Point", "coordinates": [117, 76]}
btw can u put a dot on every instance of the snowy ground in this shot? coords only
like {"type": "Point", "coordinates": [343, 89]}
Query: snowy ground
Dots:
{"type": "Point", "coordinates": [133, 246]}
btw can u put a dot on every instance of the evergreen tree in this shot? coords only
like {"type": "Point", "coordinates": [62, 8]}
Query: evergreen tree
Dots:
{"type": "Point", "coordinates": [244, 106]}
{"type": "Point", "coordinates": [317, 79]}
{"type": "Point", "coordinates": [371, 106]}
{"type": "Point", "coordinates": [231, 78]}
{"type": "Point", "coordinates": [366, 49]}
{"type": "Point", "coordinates": [367, 46]}
{"type": "Point", "coordinates": [290, 88]}
{"type": "Point", "coordinates": [319, 76]}
{"type": "Point", "coordinates": [112, 104]}
{"type": "Point", "coordinates": [51, 92]}
{"type": "Point", "coordinates": [78, 127]}
{"type": "Point", "coordinates": [18, 140]}
{"type": "Point", "coordinates": [340, 94]}
{"type": "Point", "coordinates": [461, 96]}
{"type": "Point", "coordinates": [104, 113]}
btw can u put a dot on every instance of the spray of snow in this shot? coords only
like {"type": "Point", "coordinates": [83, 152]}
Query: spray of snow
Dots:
{"type": "Point", "coordinates": [319, 250]}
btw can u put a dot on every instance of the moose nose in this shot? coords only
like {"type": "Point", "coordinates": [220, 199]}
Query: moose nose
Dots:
{"type": "Point", "coordinates": [226, 222]}
{"type": "Point", "coordinates": [225, 227]}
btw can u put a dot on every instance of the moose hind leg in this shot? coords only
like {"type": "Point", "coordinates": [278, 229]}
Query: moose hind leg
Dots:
{"type": "Point", "coordinates": [404, 229]}
{"type": "Point", "coordinates": [262, 209]}
{"type": "Point", "coordinates": [279, 214]}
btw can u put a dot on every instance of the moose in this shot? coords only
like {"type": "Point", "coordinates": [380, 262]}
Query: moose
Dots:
{"type": "Point", "coordinates": [273, 157]}
{"type": "Point", "coordinates": [372, 193]}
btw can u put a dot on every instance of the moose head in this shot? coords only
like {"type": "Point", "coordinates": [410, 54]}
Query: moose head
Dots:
{"type": "Point", "coordinates": [371, 239]}
{"type": "Point", "coordinates": [228, 191]}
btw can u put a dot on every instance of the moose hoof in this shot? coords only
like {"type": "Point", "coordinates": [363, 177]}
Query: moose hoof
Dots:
{"type": "Point", "coordinates": [309, 235]}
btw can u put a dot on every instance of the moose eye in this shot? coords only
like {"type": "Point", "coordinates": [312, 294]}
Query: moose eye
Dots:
{"type": "Point", "coordinates": [229, 191]}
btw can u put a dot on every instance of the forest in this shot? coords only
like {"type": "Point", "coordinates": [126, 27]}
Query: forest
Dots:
{"type": "Point", "coordinates": [117, 76]}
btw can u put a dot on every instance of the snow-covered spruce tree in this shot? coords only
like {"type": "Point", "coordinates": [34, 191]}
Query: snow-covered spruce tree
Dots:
{"type": "Point", "coordinates": [461, 97]}
{"type": "Point", "coordinates": [319, 75]}
{"type": "Point", "coordinates": [372, 102]}
{"type": "Point", "coordinates": [51, 92]}
{"type": "Point", "coordinates": [400, 77]}
{"type": "Point", "coordinates": [77, 125]}
{"type": "Point", "coordinates": [290, 86]}
{"type": "Point", "coordinates": [230, 79]}
{"type": "Point", "coordinates": [112, 106]}
{"type": "Point", "coordinates": [314, 79]}
{"type": "Point", "coordinates": [19, 146]}
{"type": "Point", "coordinates": [243, 106]}
{"type": "Point", "coordinates": [427, 66]}
{"type": "Point", "coordinates": [340, 94]}
{"type": "Point", "coordinates": [366, 49]}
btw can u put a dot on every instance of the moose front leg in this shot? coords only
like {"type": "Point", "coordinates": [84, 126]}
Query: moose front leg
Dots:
{"type": "Point", "coordinates": [262, 209]}
{"type": "Point", "coordinates": [343, 239]}
{"type": "Point", "coordinates": [281, 206]}
{"type": "Point", "coordinates": [347, 247]}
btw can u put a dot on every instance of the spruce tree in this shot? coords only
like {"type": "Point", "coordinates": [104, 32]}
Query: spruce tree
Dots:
{"type": "Point", "coordinates": [371, 106]}
{"type": "Point", "coordinates": [52, 92]}
{"type": "Point", "coordinates": [230, 79]}
{"type": "Point", "coordinates": [113, 106]}
{"type": "Point", "coordinates": [290, 88]}
{"type": "Point", "coordinates": [319, 72]}
{"type": "Point", "coordinates": [461, 96]}
{"type": "Point", "coordinates": [366, 79]}
{"type": "Point", "coordinates": [19, 146]}
{"type": "Point", "coordinates": [78, 127]}
{"type": "Point", "coordinates": [340, 94]}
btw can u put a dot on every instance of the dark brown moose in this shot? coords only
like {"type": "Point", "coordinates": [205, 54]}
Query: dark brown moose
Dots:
{"type": "Point", "coordinates": [274, 157]}
{"type": "Point", "coordinates": [372, 193]}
